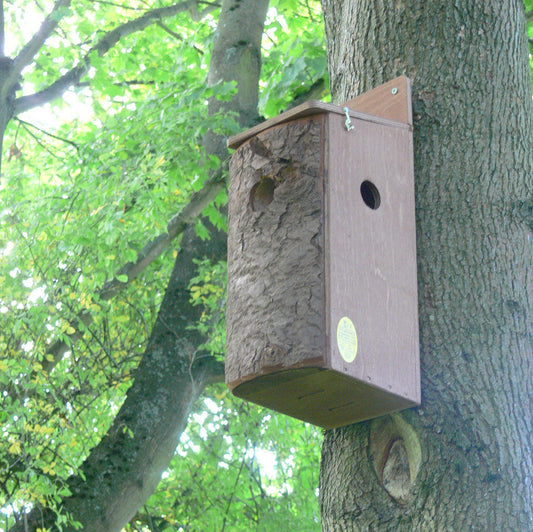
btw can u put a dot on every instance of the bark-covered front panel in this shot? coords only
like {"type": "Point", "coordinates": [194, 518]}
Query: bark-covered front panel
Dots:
{"type": "Point", "coordinates": [275, 310]}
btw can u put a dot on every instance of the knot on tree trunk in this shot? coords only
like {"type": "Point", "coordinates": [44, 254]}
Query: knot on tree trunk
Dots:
{"type": "Point", "coordinates": [396, 455]}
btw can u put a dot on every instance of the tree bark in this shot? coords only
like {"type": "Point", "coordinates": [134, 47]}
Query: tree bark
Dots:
{"type": "Point", "coordinates": [7, 99]}
{"type": "Point", "coordinates": [236, 56]}
{"type": "Point", "coordinates": [463, 460]}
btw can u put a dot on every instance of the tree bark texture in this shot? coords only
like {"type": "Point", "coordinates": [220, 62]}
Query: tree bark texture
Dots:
{"type": "Point", "coordinates": [464, 459]}
{"type": "Point", "coordinates": [7, 97]}
{"type": "Point", "coordinates": [275, 310]}
{"type": "Point", "coordinates": [236, 56]}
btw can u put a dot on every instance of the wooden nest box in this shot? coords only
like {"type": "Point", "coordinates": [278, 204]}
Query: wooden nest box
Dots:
{"type": "Point", "coordinates": [322, 320]}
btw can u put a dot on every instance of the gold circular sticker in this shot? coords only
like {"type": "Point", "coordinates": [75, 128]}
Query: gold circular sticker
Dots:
{"type": "Point", "coordinates": [347, 339]}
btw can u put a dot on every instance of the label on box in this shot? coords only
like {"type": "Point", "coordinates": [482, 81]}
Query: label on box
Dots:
{"type": "Point", "coordinates": [347, 339]}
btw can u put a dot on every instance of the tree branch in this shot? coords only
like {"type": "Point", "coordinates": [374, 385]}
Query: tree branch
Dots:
{"type": "Point", "coordinates": [529, 16]}
{"type": "Point", "coordinates": [150, 252]}
{"type": "Point", "coordinates": [26, 55]}
{"type": "Point", "coordinates": [73, 76]}
{"type": "Point", "coordinates": [314, 92]}
{"type": "Point", "coordinates": [2, 29]}
{"type": "Point", "coordinates": [128, 83]}
{"type": "Point", "coordinates": [158, 245]}
{"type": "Point", "coordinates": [47, 133]}
{"type": "Point", "coordinates": [114, 4]}
{"type": "Point", "coordinates": [177, 36]}
{"type": "Point", "coordinates": [164, 27]}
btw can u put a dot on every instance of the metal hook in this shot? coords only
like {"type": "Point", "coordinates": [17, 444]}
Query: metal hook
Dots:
{"type": "Point", "coordinates": [348, 122]}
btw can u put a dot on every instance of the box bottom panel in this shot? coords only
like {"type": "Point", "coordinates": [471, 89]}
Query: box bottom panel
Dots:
{"type": "Point", "coordinates": [320, 396]}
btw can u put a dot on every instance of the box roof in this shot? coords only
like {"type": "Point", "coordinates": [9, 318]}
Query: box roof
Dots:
{"type": "Point", "coordinates": [311, 107]}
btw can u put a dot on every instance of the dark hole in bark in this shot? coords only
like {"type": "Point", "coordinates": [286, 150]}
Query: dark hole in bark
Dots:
{"type": "Point", "coordinates": [262, 194]}
{"type": "Point", "coordinates": [370, 195]}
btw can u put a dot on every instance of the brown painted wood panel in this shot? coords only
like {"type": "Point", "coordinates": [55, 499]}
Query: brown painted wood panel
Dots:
{"type": "Point", "coordinates": [371, 254]}
{"type": "Point", "coordinates": [392, 100]}
{"type": "Point", "coordinates": [320, 396]}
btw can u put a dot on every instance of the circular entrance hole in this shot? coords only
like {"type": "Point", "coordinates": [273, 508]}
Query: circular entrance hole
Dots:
{"type": "Point", "coordinates": [262, 194]}
{"type": "Point", "coordinates": [370, 195]}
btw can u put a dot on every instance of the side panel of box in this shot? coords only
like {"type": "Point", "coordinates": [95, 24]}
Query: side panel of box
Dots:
{"type": "Point", "coordinates": [275, 311]}
{"type": "Point", "coordinates": [371, 256]}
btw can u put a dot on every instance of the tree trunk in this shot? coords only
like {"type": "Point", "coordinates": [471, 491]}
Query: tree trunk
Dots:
{"type": "Point", "coordinates": [464, 459]}
{"type": "Point", "coordinates": [236, 56]}
{"type": "Point", "coordinates": [7, 93]}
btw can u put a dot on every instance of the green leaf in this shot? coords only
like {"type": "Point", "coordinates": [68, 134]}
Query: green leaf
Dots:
{"type": "Point", "coordinates": [60, 13]}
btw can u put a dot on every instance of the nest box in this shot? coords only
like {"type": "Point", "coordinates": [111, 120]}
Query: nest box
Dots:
{"type": "Point", "coordinates": [322, 314]}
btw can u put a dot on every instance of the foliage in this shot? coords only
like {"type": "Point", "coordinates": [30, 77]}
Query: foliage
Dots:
{"type": "Point", "coordinates": [208, 289]}
{"type": "Point", "coordinates": [235, 471]}
{"type": "Point", "coordinates": [294, 55]}
{"type": "Point", "coordinates": [87, 183]}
